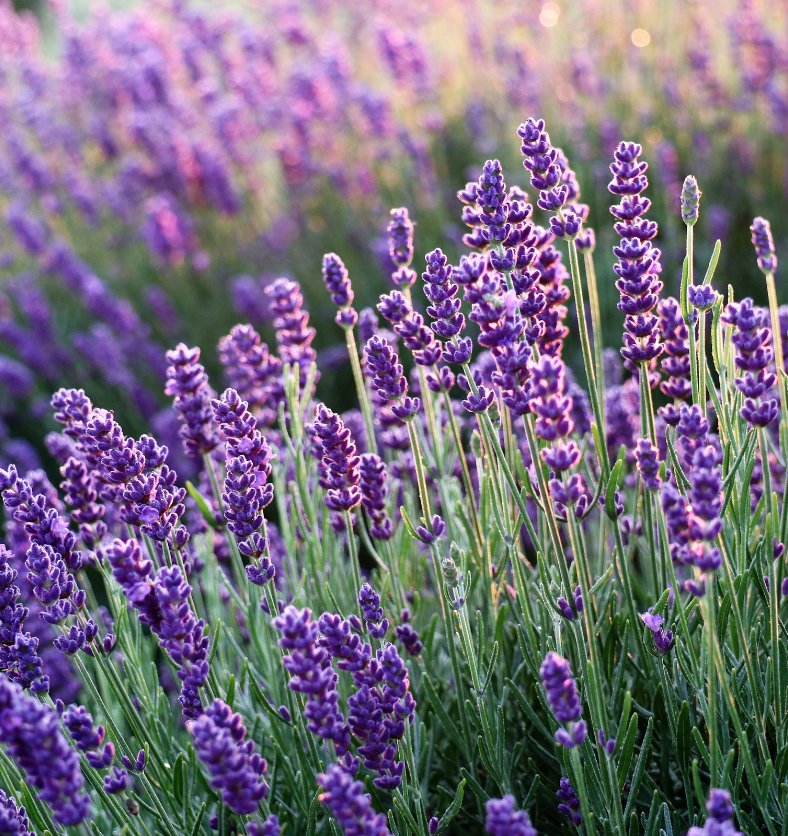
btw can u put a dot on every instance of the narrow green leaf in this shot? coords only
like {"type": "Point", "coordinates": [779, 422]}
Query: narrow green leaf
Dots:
{"type": "Point", "coordinates": [448, 724]}
{"type": "Point", "coordinates": [202, 504]}
{"type": "Point", "coordinates": [178, 779]}
{"type": "Point", "coordinates": [198, 821]}
{"type": "Point", "coordinates": [640, 766]}
{"type": "Point", "coordinates": [453, 808]}
{"type": "Point", "coordinates": [684, 736]}
{"type": "Point", "coordinates": [715, 257]}
{"type": "Point", "coordinates": [612, 486]}
{"type": "Point", "coordinates": [626, 752]}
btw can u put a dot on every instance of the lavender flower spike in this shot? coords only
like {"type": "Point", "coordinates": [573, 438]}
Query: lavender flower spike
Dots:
{"type": "Point", "coordinates": [400, 231]}
{"type": "Point", "coordinates": [31, 734]}
{"type": "Point", "coordinates": [236, 770]}
{"type": "Point", "coordinates": [504, 820]}
{"type": "Point", "coordinates": [336, 278]}
{"type": "Point", "coordinates": [388, 377]}
{"type": "Point", "coordinates": [564, 700]}
{"type": "Point", "coordinates": [690, 200]}
{"type": "Point", "coordinates": [352, 808]}
{"type": "Point", "coordinates": [13, 819]}
{"type": "Point", "coordinates": [764, 245]}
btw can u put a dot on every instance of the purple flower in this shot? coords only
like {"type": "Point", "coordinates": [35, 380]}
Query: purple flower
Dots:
{"type": "Point", "coordinates": [408, 635]}
{"type": "Point", "coordinates": [752, 338]}
{"type": "Point", "coordinates": [293, 334]}
{"type": "Point", "coordinates": [188, 383]}
{"type": "Point", "coordinates": [236, 769]}
{"type": "Point", "coordinates": [336, 278]}
{"type": "Point", "coordinates": [251, 370]}
{"type": "Point", "coordinates": [163, 605]}
{"type": "Point", "coordinates": [553, 410]}
{"type": "Point", "coordinates": [400, 231]}
{"type": "Point", "coordinates": [504, 820]}
{"type": "Point", "coordinates": [639, 263]}
{"type": "Point", "coordinates": [312, 675]}
{"type": "Point", "coordinates": [561, 689]}
{"type": "Point", "coordinates": [409, 325]}
{"type": "Point", "coordinates": [764, 245]}
{"type": "Point", "coordinates": [339, 464]}
{"type": "Point", "coordinates": [675, 359]}
{"type": "Point", "coordinates": [663, 639]}
{"type": "Point", "coordinates": [541, 161]}
{"type": "Point", "coordinates": [442, 293]}
{"type": "Point", "coordinates": [372, 482]}
{"type": "Point", "coordinates": [31, 734]}
{"type": "Point", "coordinates": [369, 601]}
{"type": "Point", "coordinates": [351, 807]}
{"type": "Point", "coordinates": [702, 297]}
{"type": "Point", "coordinates": [647, 458]}
{"type": "Point", "coordinates": [720, 816]}
{"type": "Point", "coordinates": [569, 803]}
{"type": "Point", "coordinates": [270, 827]}
{"type": "Point", "coordinates": [116, 781]}
{"type": "Point", "coordinates": [13, 819]}
{"type": "Point", "coordinates": [246, 487]}
{"type": "Point", "coordinates": [690, 201]}
{"type": "Point", "coordinates": [89, 739]}
{"type": "Point", "coordinates": [388, 378]}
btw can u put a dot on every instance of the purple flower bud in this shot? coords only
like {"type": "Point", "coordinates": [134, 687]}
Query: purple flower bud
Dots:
{"type": "Point", "coordinates": [569, 805]}
{"type": "Point", "coordinates": [702, 297]}
{"type": "Point", "coordinates": [690, 201]}
{"type": "Point", "coordinates": [336, 278]}
{"type": "Point", "coordinates": [116, 781]}
{"type": "Point", "coordinates": [561, 689]}
{"type": "Point", "coordinates": [503, 820]}
{"type": "Point", "coordinates": [764, 245]}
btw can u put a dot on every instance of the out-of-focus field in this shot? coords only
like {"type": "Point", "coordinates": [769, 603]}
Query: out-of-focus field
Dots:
{"type": "Point", "coordinates": [161, 161]}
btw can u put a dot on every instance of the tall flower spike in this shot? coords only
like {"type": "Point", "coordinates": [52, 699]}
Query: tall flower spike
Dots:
{"type": "Point", "coordinates": [293, 334]}
{"type": "Point", "coordinates": [351, 807]}
{"type": "Point", "coordinates": [372, 481]}
{"type": "Point", "coordinates": [311, 674]}
{"type": "Point", "coordinates": [30, 732]}
{"type": "Point", "coordinates": [639, 262]}
{"type": "Point", "coordinates": [188, 383]}
{"type": "Point", "coordinates": [339, 463]}
{"type": "Point", "coordinates": [690, 200]}
{"type": "Point", "coordinates": [336, 279]}
{"type": "Point", "coordinates": [752, 338]}
{"type": "Point", "coordinates": [251, 370]}
{"type": "Point", "coordinates": [764, 245]}
{"type": "Point", "coordinates": [400, 230]}
{"type": "Point", "coordinates": [388, 378]}
{"type": "Point", "coordinates": [247, 491]}
{"type": "Point", "coordinates": [569, 803]}
{"type": "Point", "coordinates": [553, 410]}
{"type": "Point", "coordinates": [676, 359]}
{"type": "Point", "coordinates": [236, 770]}
{"type": "Point", "coordinates": [563, 698]}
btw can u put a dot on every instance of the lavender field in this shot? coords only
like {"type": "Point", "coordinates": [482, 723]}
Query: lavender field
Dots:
{"type": "Point", "coordinates": [394, 418]}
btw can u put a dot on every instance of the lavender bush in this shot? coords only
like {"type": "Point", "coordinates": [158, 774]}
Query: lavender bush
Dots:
{"type": "Point", "coordinates": [493, 598]}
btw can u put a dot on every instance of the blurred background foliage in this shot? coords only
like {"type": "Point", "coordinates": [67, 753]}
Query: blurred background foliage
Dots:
{"type": "Point", "coordinates": [161, 161]}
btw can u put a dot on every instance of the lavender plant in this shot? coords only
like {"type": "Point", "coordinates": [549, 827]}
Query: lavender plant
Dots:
{"type": "Point", "coordinates": [492, 599]}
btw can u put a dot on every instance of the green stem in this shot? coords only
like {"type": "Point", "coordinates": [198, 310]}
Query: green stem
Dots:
{"type": "Point", "coordinates": [588, 358]}
{"type": "Point", "coordinates": [361, 389]}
